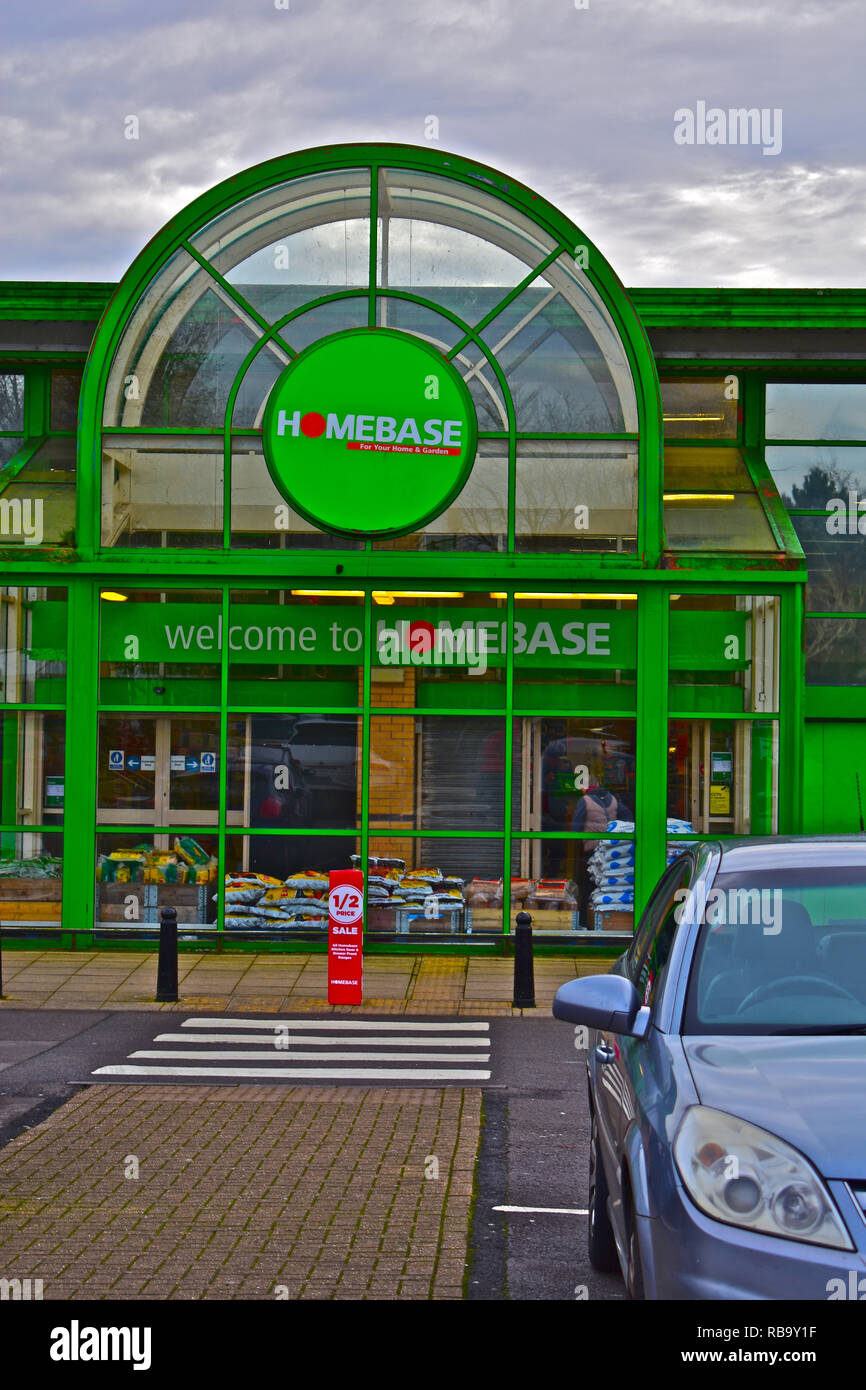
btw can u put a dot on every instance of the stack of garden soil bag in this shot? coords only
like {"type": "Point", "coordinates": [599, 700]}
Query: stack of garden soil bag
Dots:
{"type": "Point", "coordinates": [611, 866]}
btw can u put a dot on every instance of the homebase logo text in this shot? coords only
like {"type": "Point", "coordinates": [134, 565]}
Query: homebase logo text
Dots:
{"type": "Point", "coordinates": [370, 430]}
{"type": "Point", "coordinates": [421, 643]}
{"type": "Point", "coordinates": [730, 907]}
{"type": "Point", "coordinates": [77, 1343]}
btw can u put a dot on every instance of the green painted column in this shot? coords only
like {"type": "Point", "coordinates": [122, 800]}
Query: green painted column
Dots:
{"type": "Point", "coordinates": [652, 741]}
{"type": "Point", "coordinates": [82, 675]}
{"type": "Point", "coordinates": [792, 679]}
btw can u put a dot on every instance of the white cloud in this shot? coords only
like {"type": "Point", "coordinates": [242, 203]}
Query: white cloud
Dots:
{"type": "Point", "coordinates": [577, 103]}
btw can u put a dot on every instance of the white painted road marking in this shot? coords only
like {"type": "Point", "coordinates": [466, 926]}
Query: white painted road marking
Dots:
{"type": "Point", "coordinates": [547, 1211]}
{"type": "Point", "coordinates": [312, 1050]}
{"type": "Point", "coordinates": [334, 1025]}
{"type": "Point", "coordinates": [281, 1053]}
{"type": "Point", "coordinates": [302, 1073]}
{"type": "Point", "coordinates": [254, 1040]}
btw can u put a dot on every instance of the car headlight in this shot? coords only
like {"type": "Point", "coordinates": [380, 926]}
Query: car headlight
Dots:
{"type": "Point", "coordinates": [740, 1174]}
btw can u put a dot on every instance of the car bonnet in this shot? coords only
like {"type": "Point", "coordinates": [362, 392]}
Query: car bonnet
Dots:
{"type": "Point", "coordinates": [807, 1090]}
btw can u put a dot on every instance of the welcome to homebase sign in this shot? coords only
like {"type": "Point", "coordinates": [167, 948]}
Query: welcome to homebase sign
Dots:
{"type": "Point", "coordinates": [473, 639]}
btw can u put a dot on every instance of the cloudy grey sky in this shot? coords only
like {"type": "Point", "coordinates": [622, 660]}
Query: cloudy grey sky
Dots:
{"type": "Point", "coordinates": [577, 102]}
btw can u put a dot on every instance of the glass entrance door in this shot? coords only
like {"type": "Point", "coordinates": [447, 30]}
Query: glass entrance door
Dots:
{"type": "Point", "coordinates": [160, 770]}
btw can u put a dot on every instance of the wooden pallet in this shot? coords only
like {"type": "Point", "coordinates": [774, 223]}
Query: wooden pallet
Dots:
{"type": "Point", "coordinates": [614, 921]}
{"type": "Point", "coordinates": [28, 912]}
{"type": "Point", "coordinates": [22, 890]}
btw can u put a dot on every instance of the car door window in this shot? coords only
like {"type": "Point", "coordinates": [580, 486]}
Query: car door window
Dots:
{"type": "Point", "coordinates": [648, 958]}
{"type": "Point", "coordinates": [652, 916]}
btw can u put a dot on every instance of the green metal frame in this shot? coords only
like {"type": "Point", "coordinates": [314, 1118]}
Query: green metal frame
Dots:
{"type": "Point", "coordinates": [650, 575]}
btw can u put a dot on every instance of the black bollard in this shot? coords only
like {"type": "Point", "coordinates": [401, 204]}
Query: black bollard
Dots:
{"type": "Point", "coordinates": [166, 972]}
{"type": "Point", "coordinates": [524, 974]}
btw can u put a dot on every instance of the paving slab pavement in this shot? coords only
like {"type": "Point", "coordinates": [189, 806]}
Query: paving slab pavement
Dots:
{"type": "Point", "coordinates": [396, 984]}
{"type": "Point", "coordinates": [243, 1192]}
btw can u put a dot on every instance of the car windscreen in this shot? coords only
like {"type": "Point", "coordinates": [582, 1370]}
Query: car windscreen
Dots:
{"type": "Point", "coordinates": [780, 951]}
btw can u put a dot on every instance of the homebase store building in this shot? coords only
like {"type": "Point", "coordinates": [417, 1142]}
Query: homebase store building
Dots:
{"type": "Point", "coordinates": [374, 522]}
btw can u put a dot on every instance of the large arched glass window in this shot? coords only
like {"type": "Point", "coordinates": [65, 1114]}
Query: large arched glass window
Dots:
{"type": "Point", "coordinates": [517, 301]}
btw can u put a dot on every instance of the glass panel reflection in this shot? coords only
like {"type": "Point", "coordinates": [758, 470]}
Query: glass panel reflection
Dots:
{"type": "Point", "coordinates": [299, 266]}
{"type": "Point", "coordinates": [457, 245]}
{"type": "Point", "coordinates": [812, 478]}
{"type": "Point", "coordinates": [574, 775]}
{"type": "Point", "coordinates": [32, 645]}
{"type": "Point", "coordinates": [294, 233]}
{"type": "Point", "coordinates": [724, 653]}
{"type": "Point", "coordinates": [700, 407]}
{"type": "Point", "coordinates": [11, 401]}
{"type": "Point", "coordinates": [279, 883]}
{"type": "Point", "coordinates": [697, 469]}
{"type": "Point", "coordinates": [161, 769]}
{"type": "Point", "coordinates": [32, 768]}
{"type": "Point", "coordinates": [733, 522]}
{"type": "Point", "coordinates": [293, 650]}
{"type": "Point", "coordinates": [138, 875]}
{"type": "Point", "coordinates": [816, 410]}
{"type": "Point", "coordinates": [836, 651]}
{"type": "Point", "coordinates": [575, 650]}
{"type": "Point", "coordinates": [575, 495]}
{"type": "Point", "coordinates": [261, 516]}
{"type": "Point", "coordinates": [296, 770]}
{"type": "Point", "coordinates": [65, 390]}
{"type": "Point", "coordinates": [160, 647]}
{"type": "Point", "coordinates": [837, 567]}
{"type": "Point", "coordinates": [37, 501]}
{"type": "Point", "coordinates": [723, 775]}
{"type": "Point", "coordinates": [552, 362]}
{"type": "Point", "coordinates": [477, 519]}
{"type": "Point", "coordinates": [161, 491]}
{"type": "Point", "coordinates": [442, 886]}
{"type": "Point", "coordinates": [9, 446]}
{"type": "Point", "coordinates": [31, 878]}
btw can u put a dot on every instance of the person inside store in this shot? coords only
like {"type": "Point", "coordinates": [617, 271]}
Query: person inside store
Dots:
{"type": "Point", "coordinates": [595, 808]}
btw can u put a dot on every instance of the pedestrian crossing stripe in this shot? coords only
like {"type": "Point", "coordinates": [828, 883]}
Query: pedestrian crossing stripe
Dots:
{"type": "Point", "coordinates": [328, 1040]}
{"type": "Point", "coordinates": [302, 1073]}
{"type": "Point", "coordinates": [230, 1056]}
{"type": "Point", "coordinates": [307, 1049]}
{"type": "Point", "coordinates": [379, 1025]}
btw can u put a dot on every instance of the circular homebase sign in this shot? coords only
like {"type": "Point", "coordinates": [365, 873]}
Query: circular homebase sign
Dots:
{"type": "Point", "coordinates": [369, 432]}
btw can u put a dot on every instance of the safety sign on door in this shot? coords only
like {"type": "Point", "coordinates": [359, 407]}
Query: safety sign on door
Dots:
{"type": "Point", "coordinates": [208, 762]}
{"type": "Point", "coordinates": [116, 760]}
{"type": "Point", "coordinates": [345, 936]}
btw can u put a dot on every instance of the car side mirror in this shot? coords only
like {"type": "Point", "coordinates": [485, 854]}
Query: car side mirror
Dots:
{"type": "Point", "coordinates": [607, 1002]}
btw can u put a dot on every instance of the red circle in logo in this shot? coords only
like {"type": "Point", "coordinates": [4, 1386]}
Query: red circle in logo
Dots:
{"type": "Point", "coordinates": [312, 424]}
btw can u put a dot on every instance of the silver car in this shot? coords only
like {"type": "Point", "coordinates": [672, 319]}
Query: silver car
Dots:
{"type": "Point", "coordinates": [727, 1076]}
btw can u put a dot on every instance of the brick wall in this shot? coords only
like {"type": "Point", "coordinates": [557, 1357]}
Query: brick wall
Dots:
{"type": "Point", "coordinates": [392, 763]}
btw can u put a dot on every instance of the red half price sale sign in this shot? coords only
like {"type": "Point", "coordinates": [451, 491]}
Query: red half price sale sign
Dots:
{"type": "Point", "coordinates": [345, 936]}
